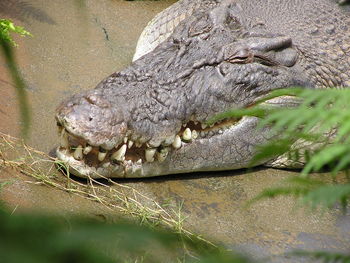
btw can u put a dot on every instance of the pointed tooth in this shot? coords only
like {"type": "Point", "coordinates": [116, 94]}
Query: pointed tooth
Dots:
{"type": "Point", "coordinates": [211, 125]}
{"type": "Point", "coordinates": [194, 134]}
{"type": "Point", "coordinates": [64, 139]}
{"type": "Point", "coordinates": [101, 156]}
{"type": "Point", "coordinates": [138, 144]}
{"type": "Point", "coordinates": [149, 154]}
{"type": "Point", "coordinates": [87, 149]}
{"type": "Point", "coordinates": [120, 154]}
{"type": "Point", "coordinates": [130, 144]}
{"type": "Point", "coordinates": [64, 142]}
{"type": "Point", "coordinates": [196, 122]}
{"type": "Point", "coordinates": [125, 139]}
{"type": "Point", "coordinates": [78, 153]}
{"type": "Point", "coordinates": [177, 142]}
{"type": "Point", "coordinates": [203, 125]}
{"type": "Point", "coordinates": [187, 134]}
{"type": "Point", "coordinates": [184, 124]}
{"type": "Point", "coordinates": [161, 156]}
{"type": "Point", "coordinates": [139, 161]}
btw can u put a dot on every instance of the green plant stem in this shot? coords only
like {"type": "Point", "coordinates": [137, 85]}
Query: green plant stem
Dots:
{"type": "Point", "coordinates": [20, 87]}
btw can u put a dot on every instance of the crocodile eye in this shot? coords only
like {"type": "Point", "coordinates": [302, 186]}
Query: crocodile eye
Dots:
{"type": "Point", "coordinates": [204, 25]}
{"type": "Point", "coordinates": [239, 59]}
{"type": "Point", "coordinates": [240, 56]}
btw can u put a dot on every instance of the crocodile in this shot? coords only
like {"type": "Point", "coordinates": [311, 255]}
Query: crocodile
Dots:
{"type": "Point", "coordinates": [194, 60]}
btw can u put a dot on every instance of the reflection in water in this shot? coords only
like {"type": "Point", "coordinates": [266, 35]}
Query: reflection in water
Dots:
{"type": "Point", "coordinates": [71, 52]}
{"type": "Point", "coordinates": [24, 11]}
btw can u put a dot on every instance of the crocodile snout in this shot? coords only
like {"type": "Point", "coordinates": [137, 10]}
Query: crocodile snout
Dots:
{"type": "Point", "coordinates": [92, 118]}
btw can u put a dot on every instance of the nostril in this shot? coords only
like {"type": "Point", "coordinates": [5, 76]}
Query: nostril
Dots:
{"type": "Point", "coordinates": [97, 100]}
{"type": "Point", "coordinates": [90, 118]}
{"type": "Point", "coordinates": [91, 99]}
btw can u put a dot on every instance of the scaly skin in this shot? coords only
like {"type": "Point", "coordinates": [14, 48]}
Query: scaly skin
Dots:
{"type": "Point", "coordinates": [227, 54]}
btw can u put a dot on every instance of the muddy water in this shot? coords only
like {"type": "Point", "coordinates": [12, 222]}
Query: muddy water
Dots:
{"type": "Point", "coordinates": [73, 50]}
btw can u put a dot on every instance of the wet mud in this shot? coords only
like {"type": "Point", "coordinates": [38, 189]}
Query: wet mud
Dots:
{"type": "Point", "coordinates": [72, 50]}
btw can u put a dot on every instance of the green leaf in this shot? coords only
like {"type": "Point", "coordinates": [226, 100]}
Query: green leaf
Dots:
{"type": "Point", "coordinates": [7, 26]}
{"type": "Point", "coordinates": [6, 43]}
{"type": "Point", "coordinates": [325, 156]}
{"type": "Point", "coordinates": [295, 186]}
{"type": "Point", "coordinates": [328, 196]}
{"type": "Point", "coordinates": [324, 256]}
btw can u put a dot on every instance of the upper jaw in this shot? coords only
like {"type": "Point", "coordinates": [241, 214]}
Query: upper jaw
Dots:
{"type": "Point", "coordinates": [92, 118]}
{"type": "Point", "coordinates": [132, 158]}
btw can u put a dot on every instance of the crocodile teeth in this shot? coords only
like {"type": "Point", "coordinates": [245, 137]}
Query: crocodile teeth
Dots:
{"type": "Point", "coordinates": [138, 144]}
{"type": "Point", "coordinates": [64, 139]}
{"type": "Point", "coordinates": [149, 154]}
{"type": "Point", "coordinates": [125, 139]}
{"type": "Point", "coordinates": [177, 142]}
{"type": "Point", "coordinates": [161, 156]}
{"type": "Point", "coordinates": [87, 149]}
{"type": "Point", "coordinates": [194, 134]}
{"type": "Point", "coordinates": [101, 156]}
{"type": "Point", "coordinates": [78, 153]}
{"type": "Point", "coordinates": [187, 134]}
{"type": "Point", "coordinates": [203, 125]}
{"type": "Point", "coordinates": [139, 161]}
{"type": "Point", "coordinates": [130, 144]}
{"type": "Point", "coordinates": [120, 154]}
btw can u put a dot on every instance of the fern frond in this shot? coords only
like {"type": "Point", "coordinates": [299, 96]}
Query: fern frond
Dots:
{"type": "Point", "coordinates": [274, 148]}
{"type": "Point", "coordinates": [328, 196]}
{"type": "Point", "coordinates": [293, 186]}
{"type": "Point", "coordinates": [323, 120]}
{"type": "Point", "coordinates": [320, 113]}
{"type": "Point", "coordinates": [323, 256]}
{"type": "Point", "coordinates": [325, 156]}
{"type": "Point", "coordinates": [6, 27]}
{"type": "Point", "coordinates": [257, 111]}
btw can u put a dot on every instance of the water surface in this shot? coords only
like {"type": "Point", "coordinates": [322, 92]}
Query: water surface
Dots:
{"type": "Point", "coordinates": [72, 50]}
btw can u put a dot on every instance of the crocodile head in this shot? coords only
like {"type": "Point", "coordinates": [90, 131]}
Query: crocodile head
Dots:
{"type": "Point", "coordinates": [150, 119]}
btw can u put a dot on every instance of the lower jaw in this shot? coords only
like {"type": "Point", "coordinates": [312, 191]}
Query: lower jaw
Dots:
{"type": "Point", "coordinates": [174, 164]}
{"type": "Point", "coordinates": [80, 169]}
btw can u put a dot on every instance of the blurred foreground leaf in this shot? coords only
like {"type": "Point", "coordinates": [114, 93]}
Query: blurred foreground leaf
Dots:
{"type": "Point", "coordinates": [314, 134]}
{"type": "Point", "coordinates": [39, 238]}
{"type": "Point", "coordinates": [6, 43]}
{"type": "Point", "coordinates": [323, 256]}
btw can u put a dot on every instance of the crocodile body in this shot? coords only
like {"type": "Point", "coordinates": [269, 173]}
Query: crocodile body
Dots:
{"type": "Point", "coordinates": [193, 61]}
